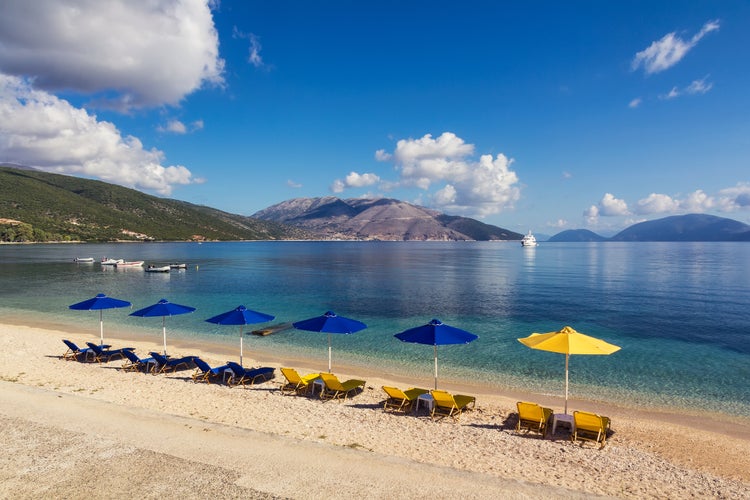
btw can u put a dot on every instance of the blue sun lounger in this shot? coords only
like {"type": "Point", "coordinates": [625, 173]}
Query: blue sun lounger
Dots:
{"type": "Point", "coordinates": [135, 363]}
{"type": "Point", "coordinates": [102, 354]}
{"type": "Point", "coordinates": [74, 352]}
{"type": "Point", "coordinates": [247, 376]}
{"type": "Point", "coordinates": [204, 372]}
{"type": "Point", "coordinates": [165, 364]}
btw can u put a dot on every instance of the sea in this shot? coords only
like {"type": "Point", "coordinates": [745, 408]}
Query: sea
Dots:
{"type": "Point", "coordinates": [680, 311]}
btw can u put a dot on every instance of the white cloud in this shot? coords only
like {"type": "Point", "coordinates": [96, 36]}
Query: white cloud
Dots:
{"type": "Point", "coordinates": [608, 206]}
{"type": "Point", "coordinates": [635, 102]}
{"type": "Point", "coordinates": [468, 187]}
{"type": "Point", "coordinates": [253, 55]}
{"type": "Point", "coordinates": [699, 86]}
{"type": "Point", "coordinates": [656, 204]}
{"type": "Point", "coordinates": [177, 127]}
{"type": "Point", "coordinates": [174, 126]}
{"type": "Point", "coordinates": [354, 180]}
{"type": "Point", "coordinates": [696, 87]}
{"type": "Point", "coordinates": [124, 54]}
{"type": "Point", "coordinates": [293, 185]}
{"type": "Point", "coordinates": [665, 53]}
{"type": "Point", "coordinates": [381, 155]}
{"type": "Point", "coordinates": [559, 224]}
{"type": "Point", "coordinates": [40, 130]}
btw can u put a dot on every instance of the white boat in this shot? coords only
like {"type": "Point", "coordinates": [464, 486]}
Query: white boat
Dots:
{"type": "Point", "coordinates": [84, 260]}
{"type": "Point", "coordinates": [129, 263]}
{"type": "Point", "coordinates": [178, 266]}
{"type": "Point", "coordinates": [157, 269]}
{"type": "Point", "coordinates": [111, 262]}
{"type": "Point", "coordinates": [529, 240]}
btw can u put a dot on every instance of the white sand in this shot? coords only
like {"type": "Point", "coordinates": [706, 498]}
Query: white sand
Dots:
{"type": "Point", "coordinates": [74, 430]}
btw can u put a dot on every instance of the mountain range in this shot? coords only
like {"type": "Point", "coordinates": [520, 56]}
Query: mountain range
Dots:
{"type": "Point", "coordinates": [41, 206]}
{"type": "Point", "coordinates": [690, 227]}
{"type": "Point", "coordinates": [379, 219]}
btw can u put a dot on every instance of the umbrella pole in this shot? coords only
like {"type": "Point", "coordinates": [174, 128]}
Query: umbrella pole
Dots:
{"type": "Point", "coordinates": [241, 345]}
{"type": "Point", "coordinates": [329, 353]}
{"type": "Point", "coordinates": [101, 328]}
{"type": "Point", "coordinates": [164, 332]}
{"type": "Point", "coordinates": [567, 357]}
{"type": "Point", "coordinates": [435, 367]}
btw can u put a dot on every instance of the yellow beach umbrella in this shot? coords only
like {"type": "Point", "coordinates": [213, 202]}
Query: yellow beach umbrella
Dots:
{"type": "Point", "coordinates": [568, 341]}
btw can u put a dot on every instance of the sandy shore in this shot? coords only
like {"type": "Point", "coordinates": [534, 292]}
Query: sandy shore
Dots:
{"type": "Point", "coordinates": [74, 430]}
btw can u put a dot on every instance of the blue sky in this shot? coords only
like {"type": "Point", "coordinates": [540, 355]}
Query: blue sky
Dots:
{"type": "Point", "coordinates": [527, 115]}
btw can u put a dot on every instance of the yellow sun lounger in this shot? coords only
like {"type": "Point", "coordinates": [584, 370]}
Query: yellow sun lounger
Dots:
{"type": "Point", "coordinates": [399, 400]}
{"type": "Point", "coordinates": [334, 389]}
{"type": "Point", "coordinates": [590, 427]}
{"type": "Point", "coordinates": [450, 405]}
{"type": "Point", "coordinates": [532, 417]}
{"type": "Point", "coordinates": [295, 383]}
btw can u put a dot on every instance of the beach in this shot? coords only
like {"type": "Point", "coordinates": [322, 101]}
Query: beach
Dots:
{"type": "Point", "coordinates": [76, 430]}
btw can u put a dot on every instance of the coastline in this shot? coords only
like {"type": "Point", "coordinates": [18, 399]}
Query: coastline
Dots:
{"type": "Point", "coordinates": [649, 454]}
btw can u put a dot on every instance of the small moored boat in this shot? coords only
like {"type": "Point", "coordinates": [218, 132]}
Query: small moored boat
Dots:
{"type": "Point", "coordinates": [84, 260]}
{"type": "Point", "coordinates": [178, 266]}
{"type": "Point", "coordinates": [129, 263]}
{"type": "Point", "coordinates": [111, 262]}
{"type": "Point", "coordinates": [157, 269]}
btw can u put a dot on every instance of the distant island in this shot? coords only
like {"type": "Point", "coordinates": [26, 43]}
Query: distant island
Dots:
{"type": "Point", "coordinates": [690, 227]}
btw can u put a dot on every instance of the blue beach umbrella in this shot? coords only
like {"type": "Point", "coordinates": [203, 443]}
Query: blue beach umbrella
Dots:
{"type": "Point", "coordinates": [240, 316]}
{"type": "Point", "coordinates": [330, 323]}
{"type": "Point", "coordinates": [163, 308]}
{"type": "Point", "coordinates": [99, 303]}
{"type": "Point", "coordinates": [436, 333]}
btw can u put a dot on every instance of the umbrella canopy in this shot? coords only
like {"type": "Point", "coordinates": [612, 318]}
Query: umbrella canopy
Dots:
{"type": "Point", "coordinates": [436, 333]}
{"type": "Point", "coordinates": [240, 316]}
{"type": "Point", "coordinates": [99, 303]}
{"type": "Point", "coordinates": [163, 308]}
{"type": "Point", "coordinates": [330, 323]}
{"type": "Point", "coordinates": [568, 341]}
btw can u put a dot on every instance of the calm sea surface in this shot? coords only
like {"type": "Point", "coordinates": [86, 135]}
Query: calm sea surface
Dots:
{"type": "Point", "coordinates": [680, 311]}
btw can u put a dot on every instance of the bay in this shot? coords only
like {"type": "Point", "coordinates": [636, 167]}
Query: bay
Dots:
{"type": "Point", "coordinates": [680, 311]}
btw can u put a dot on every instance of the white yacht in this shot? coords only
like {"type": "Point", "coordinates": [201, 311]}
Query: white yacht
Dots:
{"type": "Point", "coordinates": [529, 240]}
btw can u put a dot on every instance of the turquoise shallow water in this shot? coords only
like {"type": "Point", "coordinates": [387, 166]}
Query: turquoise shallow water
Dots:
{"type": "Point", "coordinates": [680, 311]}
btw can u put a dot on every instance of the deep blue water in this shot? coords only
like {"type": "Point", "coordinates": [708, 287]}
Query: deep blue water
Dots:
{"type": "Point", "coordinates": [680, 311]}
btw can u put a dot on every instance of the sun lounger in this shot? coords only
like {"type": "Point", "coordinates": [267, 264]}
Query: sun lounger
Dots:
{"type": "Point", "coordinates": [204, 372]}
{"type": "Point", "coordinates": [244, 376]}
{"type": "Point", "coordinates": [102, 355]}
{"type": "Point", "coordinates": [74, 352]}
{"type": "Point", "coordinates": [296, 383]}
{"type": "Point", "coordinates": [399, 400]}
{"type": "Point", "coordinates": [533, 418]}
{"type": "Point", "coordinates": [590, 427]}
{"type": "Point", "coordinates": [335, 389]}
{"type": "Point", "coordinates": [134, 363]}
{"type": "Point", "coordinates": [450, 405]}
{"type": "Point", "coordinates": [165, 364]}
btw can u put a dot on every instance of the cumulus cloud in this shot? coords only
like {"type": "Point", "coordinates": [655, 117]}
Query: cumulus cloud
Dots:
{"type": "Point", "coordinates": [354, 180]}
{"type": "Point", "coordinates": [38, 129]}
{"type": "Point", "coordinates": [608, 206]}
{"type": "Point", "coordinates": [635, 102]}
{"type": "Point", "coordinates": [124, 54]}
{"type": "Point", "coordinates": [656, 204]}
{"type": "Point", "coordinates": [467, 186]}
{"type": "Point", "coordinates": [669, 50]}
{"type": "Point", "coordinates": [294, 185]}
